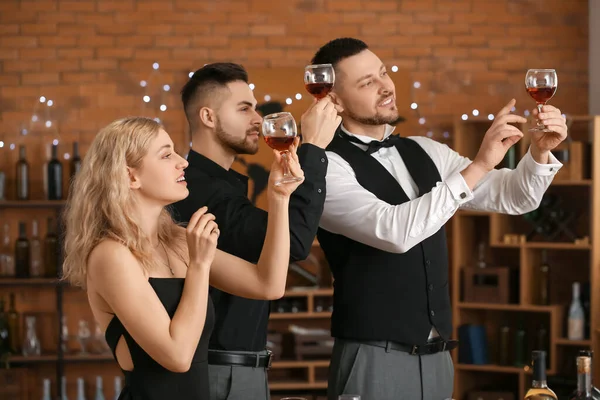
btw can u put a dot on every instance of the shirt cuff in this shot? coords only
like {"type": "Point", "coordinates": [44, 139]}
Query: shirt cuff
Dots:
{"type": "Point", "coordinates": [459, 188]}
{"type": "Point", "coordinates": [313, 158]}
{"type": "Point", "coordinates": [542, 169]}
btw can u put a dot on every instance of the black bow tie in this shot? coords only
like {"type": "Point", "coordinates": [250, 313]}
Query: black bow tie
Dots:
{"type": "Point", "coordinates": [374, 145]}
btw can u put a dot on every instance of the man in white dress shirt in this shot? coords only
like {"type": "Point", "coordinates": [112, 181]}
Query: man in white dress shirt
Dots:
{"type": "Point", "coordinates": [382, 228]}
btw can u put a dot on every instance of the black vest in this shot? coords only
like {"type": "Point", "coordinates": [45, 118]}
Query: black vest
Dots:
{"type": "Point", "coordinates": [387, 296]}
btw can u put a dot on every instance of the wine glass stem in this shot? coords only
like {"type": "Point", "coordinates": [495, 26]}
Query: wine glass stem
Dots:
{"type": "Point", "coordinates": [286, 170]}
{"type": "Point", "coordinates": [539, 107]}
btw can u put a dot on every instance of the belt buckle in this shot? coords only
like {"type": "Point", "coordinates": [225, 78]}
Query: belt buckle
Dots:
{"type": "Point", "coordinates": [270, 359]}
{"type": "Point", "coordinates": [414, 350]}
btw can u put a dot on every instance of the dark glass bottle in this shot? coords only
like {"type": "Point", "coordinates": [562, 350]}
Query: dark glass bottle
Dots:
{"type": "Point", "coordinates": [22, 252]}
{"type": "Point", "coordinates": [22, 175]}
{"type": "Point", "coordinates": [75, 161]}
{"type": "Point", "coordinates": [4, 343]}
{"type": "Point", "coordinates": [539, 389]}
{"type": "Point", "coordinates": [55, 176]}
{"type": "Point", "coordinates": [584, 379]}
{"type": "Point", "coordinates": [12, 317]}
{"type": "Point", "coordinates": [51, 250]}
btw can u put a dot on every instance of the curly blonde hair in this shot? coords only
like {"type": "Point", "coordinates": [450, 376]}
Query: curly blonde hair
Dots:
{"type": "Point", "coordinates": [100, 201]}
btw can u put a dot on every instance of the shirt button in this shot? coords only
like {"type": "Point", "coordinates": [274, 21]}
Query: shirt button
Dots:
{"type": "Point", "coordinates": [463, 195]}
{"type": "Point", "coordinates": [431, 287]}
{"type": "Point", "coordinates": [427, 263]}
{"type": "Point", "coordinates": [432, 313]}
{"type": "Point", "coordinates": [319, 190]}
{"type": "Point", "coordinates": [322, 160]}
{"type": "Point", "coordinates": [551, 169]}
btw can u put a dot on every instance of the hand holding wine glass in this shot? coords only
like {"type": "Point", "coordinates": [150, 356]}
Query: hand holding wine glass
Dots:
{"type": "Point", "coordinates": [319, 122]}
{"type": "Point", "coordinates": [280, 133]}
{"type": "Point", "coordinates": [541, 85]}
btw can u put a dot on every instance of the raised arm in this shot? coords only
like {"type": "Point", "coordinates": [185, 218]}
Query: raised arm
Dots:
{"type": "Point", "coordinates": [117, 276]}
{"type": "Point", "coordinates": [266, 280]}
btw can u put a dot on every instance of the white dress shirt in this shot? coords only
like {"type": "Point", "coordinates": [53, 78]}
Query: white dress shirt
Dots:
{"type": "Point", "coordinates": [358, 214]}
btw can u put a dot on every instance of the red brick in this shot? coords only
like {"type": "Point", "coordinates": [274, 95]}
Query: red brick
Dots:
{"type": "Point", "coordinates": [13, 17]}
{"type": "Point", "coordinates": [432, 17]}
{"type": "Point", "coordinates": [469, 40]}
{"type": "Point", "coordinates": [356, 18]}
{"type": "Point", "coordinates": [96, 41]}
{"type": "Point", "coordinates": [154, 29]}
{"type": "Point", "coordinates": [491, 31]}
{"type": "Point", "coordinates": [154, 55]}
{"type": "Point", "coordinates": [231, 29]}
{"type": "Point", "coordinates": [85, 5]}
{"type": "Point", "coordinates": [61, 17]}
{"type": "Point", "coordinates": [416, 5]}
{"type": "Point", "coordinates": [486, 53]}
{"type": "Point", "coordinates": [136, 41]}
{"type": "Point", "coordinates": [267, 30]}
{"type": "Point", "coordinates": [248, 18]}
{"type": "Point", "coordinates": [36, 5]}
{"type": "Point", "coordinates": [506, 43]}
{"type": "Point", "coordinates": [7, 79]}
{"type": "Point", "coordinates": [371, 5]}
{"type": "Point", "coordinates": [60, 66]}
{"type": "Point", "coordinates": [9, 5]}
{"type": "Point", "coordinates": [452, 29]}
{"type": "Point", "coordinates": [121, 5]}
{"type": "Point", "coordinates": [79, 77]}
{"type": "Point", "coordinates": [40, 78]}
{"type": "Point", "coordinates": [344, 5]}
{"type": "Point", "coordinates": [22, 66]}
{"type": "Point", "coordinates": [154, 5]}
{"type": "Point", "coordinates": [413, 52]}
{"type": "Point", "coordinates": [396, 18]}
{"type": "Point", "coordinates": [451, 52]}
{"type": "Point", "coordinates": [58, 41]}
{"type": "Point", "coordinates": [415, 29]}
{"type": "Point", "coordinates": [11, 54]}
{"type": "Point", "coordinates": [76, 53]}
{"type": "Point", "coordinates": [112, 52]}
{"type": "Point", "coordinates": [9, 29]}
{"type": "Point", "coordinates": [18, 41]}
{"type": "Point", "coordinates": [428, 41]}
{"type": "Point", "coordinates": [469, 18]}
{"type": "Point", "coordinates": [37, 54]}
{"type": "Point", "coordinates": [115, 29]}
{"type": "Point", "coordinates": [378, 29]}
{"type": "Point", "coordinates": [173, 41]}
{"type": "Point", "coordinates": [210, 41]}
{"type": "Point", "coordinates": [257, 42]}
{"type": "Point", "coordinates": [76, 29]}
{"type": "Point", "coordinates": [463, 65]}
{"type": "Point", "coordinates": [98, 65]}
{"type": "Point", "coordinates": [38, 29]}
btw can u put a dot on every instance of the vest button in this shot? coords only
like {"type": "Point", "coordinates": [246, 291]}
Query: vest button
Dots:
{"type": "Point", "coordinates": [432, 313]}
{"type": "Point", "coordinates": [427, 263]}
{"type": "Point", "coordinates": [431, 287]}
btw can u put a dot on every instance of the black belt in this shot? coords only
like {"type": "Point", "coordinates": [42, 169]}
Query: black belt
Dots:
{"type": "Point", "coordinates": [244, 360]}
{"type": "Point", "coordinates": [422, 349]}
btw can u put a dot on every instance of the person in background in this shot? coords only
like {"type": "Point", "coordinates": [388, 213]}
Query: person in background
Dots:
{"type": "Point", "coordinates": [382, 230]}
{"type": "Point", "coordinates": [221, 111]}
{"type": "Point", "coordinates": [147, 278]}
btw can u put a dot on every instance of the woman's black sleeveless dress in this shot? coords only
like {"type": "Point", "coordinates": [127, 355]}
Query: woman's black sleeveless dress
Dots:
{"type": "Point", "coordinates": [149, 380]}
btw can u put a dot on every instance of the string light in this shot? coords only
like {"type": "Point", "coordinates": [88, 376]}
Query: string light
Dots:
{"type": "Point", "coordinates": [298, 96]}
{"type": "Point", "coordinates": [34, 118]}
{"type": "Point", "coordinates": [526, 113]}
{"type": "Point", "coordinates": [163, 107]}
{"type": "Point", "coordinates": [1, 144]}
{"type": "Point", "coordinates": [288, 101]}
{"type": "Point", "coordinates": [464, 117]}
{"type": "Point", "coordinates": [42, 99]}
{"type": "Point", "coordinates": [394, 68]}
{"type": "Point", "coordinates": [12, 146]}
{"type": "Point", "coordinates": [166, 88]}
{"type": "Point", "coordinates": [146, 99]}
{"type": "Point", "coordinates": [55, 142]}
{"type": "Point", "coordinates": [267, 97]}
{"type": "Point", "coordinates": [475, 112]}
{"type": "Point", "coordinates": [252, 86]}
{"type": "Point", "coordinates": [155, 66]}
{"type": "Point", "coordinates": [414, 106]}
{"type": "Point", "coordinates": [48, 124]}
{"type": "Point", "coordinates": [417, 85]}
{"type": "Point", "coordinates": [50, 103]}
{"type": "Point", "coordinates": [491, 117]}
{"type": "Point", "coordinates": [190, 74]}
{"type": "Point", "coordinates": [67, 156]}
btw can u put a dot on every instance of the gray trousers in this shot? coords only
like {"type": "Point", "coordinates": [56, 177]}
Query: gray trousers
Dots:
{"type": "Point", "coordinates": [229, 382]}
{"type": "Point", "coordinates": [375, 374]}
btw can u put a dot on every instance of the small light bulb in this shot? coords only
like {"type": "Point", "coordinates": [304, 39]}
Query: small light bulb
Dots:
{"type": "Point", "coordinates": [421, 120]}
{"type": "Point", "coordinates": [465, 117]}
{"type": "Point", "coordinates": [155, 65]}
{"type": "Point", "coordinates": [288, 101]}
{"type": "Point", "coordinates": [394, 68]}
{"type": "Point", "coordinates": [491, 117]}
{"type": "Point", "coordinates": [163, 107]}
{"type": "Point", "coordinates": [50, 103]}
{"type": "Point", "coordinates": [42, 99]}
{"type": "Point", "coordinates": [166, 88]}
{"type": "Point", "coordinates": [267, 97]}
{"type": "Point", "coordinates": [298, 96]}
{"type": "Point", "coordinates": [143, 83]}
{"type": "Point", "coordinates": [475, 112]}
{"type": "Point", "coordinates": [55, 142]}
{"type": "Point", "coordinates": [146, 99]}
{"type": "Point", "coordinates": [414, 106]}
{"type": "Point", "coordinates": [417, 85]}
{"type": "Point", "coordinates": [67, 156]}
{"type": "Point", "coordinates": [251, 86]}
{"type": "Point", "coordinates": [48, 124]}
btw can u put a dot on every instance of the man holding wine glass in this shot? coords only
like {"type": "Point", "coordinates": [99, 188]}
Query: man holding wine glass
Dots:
{"type": "Point", "coordinates": [382, 230]}
{"type": "Point", "coordinates": [221, 111]}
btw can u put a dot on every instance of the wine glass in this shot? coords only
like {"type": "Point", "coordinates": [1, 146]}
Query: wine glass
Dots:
{"type": "Point", "coordinates": [319, 79]}
{"type": "Point", "coordinates": [279, 131]}
{"type": "Point", "coordinates": [541, 85]}
{"type": "Point", "coordinates": [348, 397]}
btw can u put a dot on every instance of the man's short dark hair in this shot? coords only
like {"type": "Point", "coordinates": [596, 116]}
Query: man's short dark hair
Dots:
{"type": "Point", "coordinates": [201, 86]}
{"type": "Point", "coordinates": [338, 49]}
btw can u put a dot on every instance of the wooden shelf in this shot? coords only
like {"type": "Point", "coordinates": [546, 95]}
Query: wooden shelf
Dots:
{"type": "Point", "coordinates": [299, 364]}
{"type": "Point", "coordinates": [29, 282]}
{"type": "Point", "coordinates": [568, 342]}
{"type": "Point", "coordinates": [491, 368]}
{"type": "Point", "coordinates": [32, 204]}
{"type": "Point", "coordinates": [300, 315]}
{"type": "Point", "coordinates": [508, 307]}
{"type": "Point", "coordinates": [33, 359]}
{"type": "Point", "coordinates": [583, 182]}
{"type": "Point", "coordinates": [88, 357]}
{"type": "Point", "coordinates": [472, 213]}
{"type": "Point", "coordinates": [301, 292]}
{"type": "Point", "coordinates": [66, 358]}
{"type": "Point", "coordinates": [543, 245]}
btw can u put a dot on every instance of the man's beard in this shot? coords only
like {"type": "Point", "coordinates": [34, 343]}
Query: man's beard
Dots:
{"type": "Point", "coordinates": [376, 119]}
{"type": "Point", "coordinates": [237, 145]}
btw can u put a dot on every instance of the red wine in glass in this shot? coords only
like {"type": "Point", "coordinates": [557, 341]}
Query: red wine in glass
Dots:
{"type": "Point", "coordinates": [279, 131]}
{"type": "Point", "coordinates": [319, 90]}
{"type": "Point", "coordinates": [319, 79]}
{"type": "Point", "coordinates": [541, 84]}
{"type": "Point", "coordinates": [279, 143]}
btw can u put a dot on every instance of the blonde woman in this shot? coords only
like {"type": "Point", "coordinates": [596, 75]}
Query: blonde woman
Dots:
{"type": "Point", "coordinates": [147, 278]}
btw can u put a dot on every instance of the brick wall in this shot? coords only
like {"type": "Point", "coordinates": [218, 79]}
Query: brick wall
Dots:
{"type": "Point", "coordinates": [89, 56]}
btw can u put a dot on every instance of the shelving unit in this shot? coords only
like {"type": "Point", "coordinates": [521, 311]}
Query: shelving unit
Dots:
{"type": "Point", "coordinates": [569, 261]}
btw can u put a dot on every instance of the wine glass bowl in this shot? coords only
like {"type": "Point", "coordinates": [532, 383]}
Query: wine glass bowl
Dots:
{"type": "Point", "coordinates": [280, 130]}
{"type": "Point", "coordinates": [541, 85]}
{"type": "Point", "coordinates": [319, 79]}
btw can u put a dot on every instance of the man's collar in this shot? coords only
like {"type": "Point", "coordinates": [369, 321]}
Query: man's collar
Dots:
{"type": "Point", "coordinates": [389, 129]}
{"type": "Point", "coordinates": [205, 164]}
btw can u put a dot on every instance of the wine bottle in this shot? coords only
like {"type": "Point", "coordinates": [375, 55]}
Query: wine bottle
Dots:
{"type": "Point", "coordinates": [520, 347]}
{"type": "Point", "coordinates": [35, 252]}
{"type": "Point", "coordinates": [22, 252]}
{"type": "Point", "coordinates": [539, 388]}
{"type": "Point", "coordinates": [63, 388]}
{"type": "Point", "coordinates": [4, 341]}
{"type": "Point", "coordinates": [542, 338]}
{"type": "Point", "coordinates": [75, 161]}
{"type": "Point", "coordinates": [14, 334]}
{"type": "Point", "coordinates": [590, 354]}
{"type": "Point", "coordinates": [55, 175]}
{"type": "Point", "coordinates": [584, 379]}
{"type": "Point", "coordinates": [7, 259]}
{"type": "Point", "coordinates": [22, 175]}
{"type": "Point", "coordinates": [99, 393]}
{"type": "Point", "coordinates": [118, 387]}
{"type": "Point", "coordinates": [51, 250]}
{"type": "Point", "coordinates": [576, 316]}
{"type": "Point", "coordinates": [504, 344]}
{"type": "Point", "coordinates": [46, 395]}
{"type": "Point", "coordinates": [80, 389]}
{"type": "Point", "coordinates": [544, 280]}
